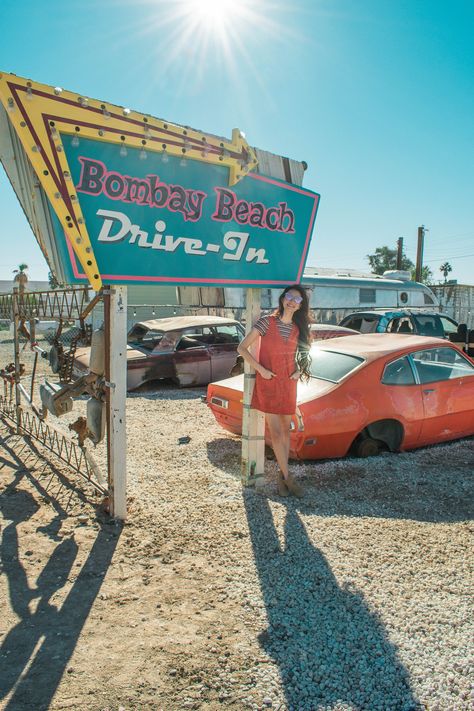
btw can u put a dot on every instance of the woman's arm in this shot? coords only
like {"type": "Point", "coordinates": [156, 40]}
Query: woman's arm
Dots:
{"type": "Point", "coordinates": [243, 350]}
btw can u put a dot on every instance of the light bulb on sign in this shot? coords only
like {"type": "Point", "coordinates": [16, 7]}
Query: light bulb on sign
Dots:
{"type": "Point", "coordinates": [75, 141]}
{"type": "Point", "coordinates": [142, 155]}
{"type": "Point", "coordinates": [123, 151]}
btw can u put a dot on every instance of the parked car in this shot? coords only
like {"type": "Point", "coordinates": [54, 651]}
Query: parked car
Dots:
{"type": "Point", "coordinates": [188, 350]}
{"type": "Point", "coordinates": [370, 393]}
{"type": "Point", "coordinates": [423, 323]}
{"type": "Point", "coordinates": [319, 332]}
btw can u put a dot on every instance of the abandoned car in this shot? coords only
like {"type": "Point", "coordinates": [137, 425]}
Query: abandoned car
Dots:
{"type": "Point", "coordinates": [187, 350]}
{"type": "Point", "coordinates": [370, 393]}
{"type": "Point", "coordinates": [422, 323]}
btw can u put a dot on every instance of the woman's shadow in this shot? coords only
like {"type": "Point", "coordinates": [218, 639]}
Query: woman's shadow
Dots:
{"type": "Point", "coordinates": [328, 644]}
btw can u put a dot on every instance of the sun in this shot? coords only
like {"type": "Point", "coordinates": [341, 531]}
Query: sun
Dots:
{"type": "Point", "coordinates": [215, 14]}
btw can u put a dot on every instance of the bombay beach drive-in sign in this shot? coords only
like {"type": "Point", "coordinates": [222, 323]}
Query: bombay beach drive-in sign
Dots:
{"type": "Point", "coordinates": [134, 199]}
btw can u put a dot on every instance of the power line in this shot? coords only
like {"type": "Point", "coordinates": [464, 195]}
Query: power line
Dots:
{"type": "Point", "coordinates": [447, 259]}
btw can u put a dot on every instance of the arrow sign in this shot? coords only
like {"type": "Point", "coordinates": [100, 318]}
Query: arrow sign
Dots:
{"type": "Point", "coordinates": [41, 115]}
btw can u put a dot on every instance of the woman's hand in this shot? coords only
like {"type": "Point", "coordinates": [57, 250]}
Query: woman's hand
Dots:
{"type": "Point", "coordinates": [266, 374]}
{"type": "Point", "coordinates": [295, 375]}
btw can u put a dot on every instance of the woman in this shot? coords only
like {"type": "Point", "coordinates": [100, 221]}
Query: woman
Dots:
{"type": "Point", "coordinates": [282, 360]}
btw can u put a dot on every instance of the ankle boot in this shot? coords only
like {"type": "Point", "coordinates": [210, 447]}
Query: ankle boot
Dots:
{"type": "Point", "coordinates": [293, 487]}
{"type": "Point", "coordinates": [281, 485]}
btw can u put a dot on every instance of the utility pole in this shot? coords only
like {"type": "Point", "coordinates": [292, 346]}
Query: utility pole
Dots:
{"type": "Point", "coordinates": [419, 253]}
{"type": "Point", "coordinates": [399, 252]}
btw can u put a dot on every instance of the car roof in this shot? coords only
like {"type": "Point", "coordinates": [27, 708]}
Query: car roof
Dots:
{"type": "Point", "coordinates": [398, 310]}
{"type": "Point", "coordinates": [175, 323]}
{"type": "Point", "coordinates": [371, 346]}
{"type": "Point", "coordinates": [330, 327]}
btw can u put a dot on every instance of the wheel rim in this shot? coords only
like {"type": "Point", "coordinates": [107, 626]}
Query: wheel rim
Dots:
{"type": "Point", "coordinates": [368, 448]}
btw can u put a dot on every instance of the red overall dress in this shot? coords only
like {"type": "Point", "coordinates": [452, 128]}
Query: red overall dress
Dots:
{"type": "Point", "coordinates": [277, 395]}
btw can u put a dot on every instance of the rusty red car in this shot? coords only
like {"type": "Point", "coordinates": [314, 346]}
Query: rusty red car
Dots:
{"type": "Point", "coordinates": [370, 393]}
{"type": "Point", "coordinates": [186, 350]}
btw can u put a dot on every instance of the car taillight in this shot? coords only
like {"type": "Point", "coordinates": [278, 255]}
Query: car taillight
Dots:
{"type": "Point", "coordinates": [220, 402]}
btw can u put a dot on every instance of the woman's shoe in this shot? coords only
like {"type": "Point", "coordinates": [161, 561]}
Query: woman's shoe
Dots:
{"type": "Point", "coordinates": [293, 487]}
{"type": "Point", "coordinates": [281, 486]}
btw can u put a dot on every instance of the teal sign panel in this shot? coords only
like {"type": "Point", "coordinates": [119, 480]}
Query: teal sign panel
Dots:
{"type": "Point", "coordinates": [156, 218]}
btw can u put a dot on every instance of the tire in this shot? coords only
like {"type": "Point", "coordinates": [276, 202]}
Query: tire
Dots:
{"type": "Point", "coordinates": [367, 447]}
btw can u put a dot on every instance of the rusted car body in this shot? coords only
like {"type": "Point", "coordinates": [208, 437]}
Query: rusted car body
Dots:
{"type": "Point", "coordinates": [369, 393]}
{"type": "Point", "coordinates": [188, 350]}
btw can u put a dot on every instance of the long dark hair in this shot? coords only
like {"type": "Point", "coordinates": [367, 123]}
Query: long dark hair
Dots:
{"type": "Point", "coordinates": [302, 320]}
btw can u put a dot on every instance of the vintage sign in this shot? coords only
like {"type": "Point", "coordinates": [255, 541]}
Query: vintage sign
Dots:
{"type": "Point", "coordinates": [138, 200]}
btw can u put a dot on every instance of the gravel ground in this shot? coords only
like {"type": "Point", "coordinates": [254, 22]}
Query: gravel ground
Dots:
{"type": "Point", "coordinates": [356, 597]}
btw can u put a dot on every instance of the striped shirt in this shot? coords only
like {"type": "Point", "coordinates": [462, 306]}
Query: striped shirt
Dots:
{"type": "Point", "coordinates": [263, 324]}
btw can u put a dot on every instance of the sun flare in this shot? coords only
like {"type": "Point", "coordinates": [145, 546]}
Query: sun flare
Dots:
{"type": "Point", "coordinates": [214, 14]}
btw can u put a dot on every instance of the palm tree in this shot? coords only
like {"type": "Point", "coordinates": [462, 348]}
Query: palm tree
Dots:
{"type": "Point", "coordinates": [21, 277]}
{"type": "Point", "coordinates": [445, 269]}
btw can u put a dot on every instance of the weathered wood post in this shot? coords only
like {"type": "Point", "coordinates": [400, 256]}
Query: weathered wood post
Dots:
{"type": "Point", "coordinates": [115, 312]}
{"type": "Point", "coordinates": [253, 423]}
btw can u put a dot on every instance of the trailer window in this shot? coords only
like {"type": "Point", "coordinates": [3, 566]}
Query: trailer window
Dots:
{"type": "Point", "coordinates": [367, 296]}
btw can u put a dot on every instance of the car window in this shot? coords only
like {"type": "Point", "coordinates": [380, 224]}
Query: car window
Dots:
{"type": "Point", "coordinates": [436, 364]}
{"type": "Point", "coordinates": [399, 372]}
{"type": "Point", "coordinates": [332, 366]}
{"type": "Point", "coordinates": [354, 322]}
{"type": "Point", "coordinates": [428, 325]}
{"type": "Point", "coordinates": [369, 324]}
{"type": "Point", "coordinates": [404, 325]}
{"type": "Point", "coordinates": [228, 333]}
{"type": "Point", "coordinates": [135, 335]}
{"type": "Point", "coordinates": [448, 325]}
{"type": "Point", "coordinates": [147, 338]}
{"type": "Point", "coordinates": [362, 323]}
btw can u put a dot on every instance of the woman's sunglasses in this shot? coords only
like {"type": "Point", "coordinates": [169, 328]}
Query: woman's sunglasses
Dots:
{"type": "Point", "coordinates": [296, 299]}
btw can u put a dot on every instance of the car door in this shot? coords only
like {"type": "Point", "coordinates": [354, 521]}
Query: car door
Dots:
{"type": "Point", "coordinates": [446, 380]}
{"type": "Point", "coordinates": [405, 398]}
{"type": "Point", "coordinates": [192, 360]}
{"type": "Point", "coordinates": [223, 350]}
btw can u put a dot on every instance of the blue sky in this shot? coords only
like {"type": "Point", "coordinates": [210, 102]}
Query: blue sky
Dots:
{"type": "Point", "coordinates": [377, 96]}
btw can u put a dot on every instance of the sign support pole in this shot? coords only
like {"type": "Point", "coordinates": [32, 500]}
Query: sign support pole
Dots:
{"type": "Point", "coordinates": [16, 336]}
{"type": "Point", "coordinates": [253, 422]}
{"type": "Point", "coordinates": [116, 365]}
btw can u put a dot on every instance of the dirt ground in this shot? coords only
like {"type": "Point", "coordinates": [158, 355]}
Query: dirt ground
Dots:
{"type": "Point", "coordinates": [359, 596]}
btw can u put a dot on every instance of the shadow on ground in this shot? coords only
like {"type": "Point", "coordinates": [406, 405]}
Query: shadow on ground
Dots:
{"type": "Point", "coordinates": [393, 486]}
{"type": "Point", "coordinates": [328, 645]}
{"type": "Point", "coordinates": [35, 653]}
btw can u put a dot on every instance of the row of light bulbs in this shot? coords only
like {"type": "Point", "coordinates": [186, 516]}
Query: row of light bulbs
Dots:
{"type": "Point", "coordinates": [187, 145]}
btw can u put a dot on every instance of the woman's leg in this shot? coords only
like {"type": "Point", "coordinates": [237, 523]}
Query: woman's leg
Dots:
{"type": "Point", "coordinates": [279, 426]}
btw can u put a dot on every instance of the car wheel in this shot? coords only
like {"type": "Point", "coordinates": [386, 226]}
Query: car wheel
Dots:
{"type": "Point", "coordinates": [367, 447]}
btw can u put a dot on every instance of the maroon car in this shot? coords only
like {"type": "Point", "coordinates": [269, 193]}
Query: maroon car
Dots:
{"type": "Point", "coordinates": [188, 350]}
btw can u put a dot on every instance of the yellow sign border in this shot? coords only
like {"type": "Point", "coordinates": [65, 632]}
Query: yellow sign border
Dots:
{"type": "Point", "coordinates": [40, 114]}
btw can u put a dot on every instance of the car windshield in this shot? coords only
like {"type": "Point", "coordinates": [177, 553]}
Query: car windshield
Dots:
{"type": "Point", "coordinates": [143, 337]}
{"type": "Point", "coordinates": [332, 366]}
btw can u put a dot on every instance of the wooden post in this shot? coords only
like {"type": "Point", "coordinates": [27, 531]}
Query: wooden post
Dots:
{"type": "Point", "coordinates": [253, 422]}
{"type": "Point", "coordinates": [16, 352]}
{"type": "Point", "coordinates": [116, 371]}
{"type": "Point", "coordinates": [419, 253]}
